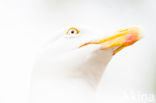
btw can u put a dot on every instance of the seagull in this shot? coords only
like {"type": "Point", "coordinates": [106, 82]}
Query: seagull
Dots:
{"type": "Point", "coordinates": [71, 65]}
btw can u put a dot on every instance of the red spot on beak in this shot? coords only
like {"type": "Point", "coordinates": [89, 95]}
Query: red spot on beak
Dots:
{"type": "Point", "coordinates": [130, 39]}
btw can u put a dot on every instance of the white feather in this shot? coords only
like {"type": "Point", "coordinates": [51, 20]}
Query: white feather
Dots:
{"type": "Point", "coordinates": [66, 73]}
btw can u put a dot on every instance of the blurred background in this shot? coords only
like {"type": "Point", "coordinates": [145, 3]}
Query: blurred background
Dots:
{"type": "Point", "coordinates": [26, 24]}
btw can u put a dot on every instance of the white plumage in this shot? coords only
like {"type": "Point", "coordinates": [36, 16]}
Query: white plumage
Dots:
{"type": "Point", "coordinates": [65, 72]}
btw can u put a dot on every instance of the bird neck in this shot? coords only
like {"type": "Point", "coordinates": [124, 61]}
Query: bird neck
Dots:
{"type": "Point", "coordinates": [80, 72]}
{"type": "Point", "coordinates": [79, 83]}
{"type": "Point", "coordinates": [91, 70]}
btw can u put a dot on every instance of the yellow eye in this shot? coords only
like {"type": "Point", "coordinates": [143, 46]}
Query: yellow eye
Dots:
{"type": "Point", "coordinates": [72, 31]}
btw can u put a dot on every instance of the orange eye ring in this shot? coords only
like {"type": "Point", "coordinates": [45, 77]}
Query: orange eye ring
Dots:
{"type": "Point", "coordinates": [72, 31]}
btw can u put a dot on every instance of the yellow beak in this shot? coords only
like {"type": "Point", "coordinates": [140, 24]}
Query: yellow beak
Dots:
{"type": "Point", "coordinates": [121, 39]}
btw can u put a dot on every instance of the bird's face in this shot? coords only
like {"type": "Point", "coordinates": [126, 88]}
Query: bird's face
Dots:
{"type": "Point", "coordinates": [84, 53]}
{"type": "Point", "coordinates": [77, 38]}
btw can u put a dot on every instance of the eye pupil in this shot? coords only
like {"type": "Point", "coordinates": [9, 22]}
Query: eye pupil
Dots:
{"type": "Point", "coordinates": [72, 31]}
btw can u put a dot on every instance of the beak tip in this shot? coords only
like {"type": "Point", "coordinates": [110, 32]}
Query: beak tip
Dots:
{"type": "Point", "coordinates": [138, 30]}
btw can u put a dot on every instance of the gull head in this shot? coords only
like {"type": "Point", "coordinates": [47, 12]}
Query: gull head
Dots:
{"type": "Point", "coordinates": [81, 53]}
{"type": "Point", "coordinates": [74, 38]}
